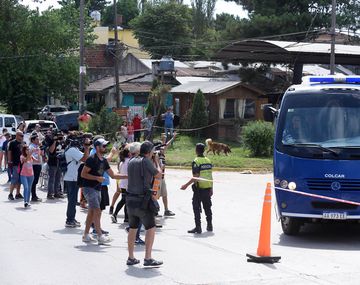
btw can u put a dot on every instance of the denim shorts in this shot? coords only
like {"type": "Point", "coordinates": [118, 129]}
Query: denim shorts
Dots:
{"type": "Point", "coordinates": [93, 197]}
{"type": "Point", "coordinates": [15, 176]}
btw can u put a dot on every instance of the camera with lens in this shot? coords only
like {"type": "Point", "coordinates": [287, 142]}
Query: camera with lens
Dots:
{"type": "Point", "coordinates": [55, 135]}
{"type": "Point", "coordinates": [157, 148]}
{"type": "Point", "coordinates": [78, 140]}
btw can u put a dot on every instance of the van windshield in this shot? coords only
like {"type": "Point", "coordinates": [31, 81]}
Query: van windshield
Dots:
{"type": "Point", "coordinates": [325, 120]}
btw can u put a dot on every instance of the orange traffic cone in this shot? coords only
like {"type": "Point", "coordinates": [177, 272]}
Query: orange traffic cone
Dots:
{"type": "Point", "coordinates": [264, 251]}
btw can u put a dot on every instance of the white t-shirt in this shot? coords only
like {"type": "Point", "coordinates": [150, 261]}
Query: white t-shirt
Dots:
{"type": "Point", "coordinates": [123, 169]}
{"type": "Point", "coordinates": [73, 156]}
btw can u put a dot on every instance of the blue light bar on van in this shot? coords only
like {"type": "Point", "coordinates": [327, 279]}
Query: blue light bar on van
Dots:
{"type": "Point", "coordinates": [331, 79]}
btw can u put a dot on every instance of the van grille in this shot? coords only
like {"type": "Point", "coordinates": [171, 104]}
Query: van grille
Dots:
{"type": "Point", "coordinates": [333, 206]}
{"type": "Point", "coordinates": [325, 184]}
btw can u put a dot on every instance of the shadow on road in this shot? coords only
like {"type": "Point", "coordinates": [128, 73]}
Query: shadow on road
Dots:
{"type": "Point", "coordinates": [23, 209]}
{"type": "Point", "coordinates": [92, 247]}
{"type": "Point", "coordinates": [325, 236]}
{"type": "Point", "coordinates": [69, 231]}
{"type": "Point", "coordinates": [141, 272]}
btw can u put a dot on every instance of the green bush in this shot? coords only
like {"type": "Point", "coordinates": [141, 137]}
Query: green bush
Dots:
{"type": "Point", "coordinates": [105, 123]}
{"type": "Point", "coordinates": [258, 137]}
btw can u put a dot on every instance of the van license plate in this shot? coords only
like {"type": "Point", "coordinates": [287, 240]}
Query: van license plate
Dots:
{"type": "Point", "coordinates": [334, 216]}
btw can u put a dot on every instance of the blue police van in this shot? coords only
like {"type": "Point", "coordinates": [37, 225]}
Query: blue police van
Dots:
{"type": "Point", "coordinates": [317, 152]}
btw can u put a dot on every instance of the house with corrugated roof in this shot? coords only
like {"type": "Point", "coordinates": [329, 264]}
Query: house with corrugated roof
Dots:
{"type": "Point", "coordinates": [230, 104]}
{"type": "Point", "coordinates": [136, 77]}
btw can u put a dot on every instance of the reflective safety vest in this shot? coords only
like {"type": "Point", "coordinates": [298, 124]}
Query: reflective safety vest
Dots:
{"type": "Point", "coordinates": [205, 166]}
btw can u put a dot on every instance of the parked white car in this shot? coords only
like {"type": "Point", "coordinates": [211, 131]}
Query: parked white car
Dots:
{"type": "Point", "coordinates": [44, 126]}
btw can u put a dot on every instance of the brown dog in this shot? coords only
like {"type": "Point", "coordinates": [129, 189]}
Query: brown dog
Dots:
{"type": "Point", "coordinates": [217, 147]}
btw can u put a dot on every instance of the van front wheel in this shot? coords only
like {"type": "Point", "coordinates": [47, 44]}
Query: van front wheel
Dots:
{"type": "Point", "coordinates": [290, 226]}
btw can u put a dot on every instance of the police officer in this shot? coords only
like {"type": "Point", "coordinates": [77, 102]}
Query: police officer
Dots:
{"type": "Point", "coordinates": [202, 188]}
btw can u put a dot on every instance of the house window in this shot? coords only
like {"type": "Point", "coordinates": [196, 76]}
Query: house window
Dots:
{"type": "Point", "coordinates": [249, 109]}
{"type": "Point", "coordinates": [140, 99]}
{"type": "Point", "coordinates": [229, 111]}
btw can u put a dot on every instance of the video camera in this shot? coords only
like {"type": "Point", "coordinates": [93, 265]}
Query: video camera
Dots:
{"type": "Point", "coordinates": [55, 135]}
{"type": "Point", "coordinates": [158, 146]}
{"type": "Point", "coordinates": [78, 139]}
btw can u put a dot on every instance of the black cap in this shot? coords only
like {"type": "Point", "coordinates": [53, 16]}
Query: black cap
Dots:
{"type": "Point", "coordinates": [146, 147]}
{"type": "Point", "coordinates": [200, 148]}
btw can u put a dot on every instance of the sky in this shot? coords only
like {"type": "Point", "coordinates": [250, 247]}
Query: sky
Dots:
{"type": "Point", "coordinates": [221, 6]}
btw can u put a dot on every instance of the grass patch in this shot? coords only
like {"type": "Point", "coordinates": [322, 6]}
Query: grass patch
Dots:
{"type": "Point", "coordinates": [182, 153]}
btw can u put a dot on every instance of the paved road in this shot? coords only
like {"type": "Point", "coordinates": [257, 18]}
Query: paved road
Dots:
{"type": "Point", "coordinates": [36, 248]}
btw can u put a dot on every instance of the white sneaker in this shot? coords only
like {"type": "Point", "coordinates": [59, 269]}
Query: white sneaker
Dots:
{"type": "Point", "coordinates": [103, 240]}
{"type": "Point", "coordinates": [88, 238]}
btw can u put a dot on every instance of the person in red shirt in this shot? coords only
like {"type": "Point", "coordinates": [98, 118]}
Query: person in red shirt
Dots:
{"type": "Point", "coordinates": [84, 120]}
{"type": "Point", "coordinates": [137, 126]}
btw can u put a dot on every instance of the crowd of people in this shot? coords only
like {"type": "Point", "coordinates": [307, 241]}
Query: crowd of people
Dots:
{"type": "Point", "coordinates": [82, 163]}
{"type": "Point", "coordinates": [131, 129]}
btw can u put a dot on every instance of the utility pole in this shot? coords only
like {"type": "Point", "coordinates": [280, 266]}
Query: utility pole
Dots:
{"type": "Point", "coordinates": [116, 57]}
{"type": "Point", "coordinates": [82, 69]}
{"type": "Point", "coordinates": [333, 24]}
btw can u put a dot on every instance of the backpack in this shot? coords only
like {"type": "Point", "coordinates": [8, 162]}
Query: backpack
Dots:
{"type": "Point", "coordinates": [62, 163]}
{"type": "Point", "coordinates": [80, 180]}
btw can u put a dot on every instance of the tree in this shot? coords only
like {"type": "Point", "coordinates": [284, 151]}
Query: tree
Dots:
{"type": "Point", "coordinates": [199, 116]}
{"type": "Point", "coordinates": [156, 102]}
{"type": "Point", "coordinates": [127, 8]}
{"type": "Point", "coordinates": [164, 29]}
{"type": "Point", "coordinates": [105, 123]}
{"type": "Point", "coordinates": [203, 11]}
{"type": "Point", "coordinates": [92, 5]}
{"type": "Point", "coordinates": [39, 55]}
{"type": "Point", "coordinates": [274, 17]}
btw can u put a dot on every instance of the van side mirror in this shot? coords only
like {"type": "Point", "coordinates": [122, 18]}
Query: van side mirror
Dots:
{"type": "Point", "coordinates": [13, 129]}
{"type": "Point", "coordinates": [269, 113]}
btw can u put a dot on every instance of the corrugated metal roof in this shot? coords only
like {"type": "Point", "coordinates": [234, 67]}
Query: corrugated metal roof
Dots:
{"type": "Point", "coordinates": [211, 87]}
{"type": "Point", "coordinates": [187, 79]}
{"type": "Point", "coordinates": [135, 87]}
{"type": "Point", "coordinates": [109, 82]}
{"type": "Point", "coordinates": [148, 63]}
{"type": "Point", "coordinates": [187, 71]}
{"type": "Point", "coordinates": [288, 52]}
{"type": "Point", "coordinates": [316, 47]}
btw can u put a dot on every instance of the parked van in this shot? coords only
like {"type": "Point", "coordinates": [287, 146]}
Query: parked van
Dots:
{"type": "Point", "coordinates": [9, 122]}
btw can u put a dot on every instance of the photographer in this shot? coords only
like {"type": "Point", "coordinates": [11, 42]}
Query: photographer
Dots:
{"type": "Point", "coordinates": [141, 172]}
{"type": "Point", "coordinates": [53, 143]}
{"type": "Point", "coordinates": [73, 157]}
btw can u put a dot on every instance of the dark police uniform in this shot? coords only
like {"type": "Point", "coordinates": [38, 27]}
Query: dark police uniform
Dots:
{"type": "Point", "coordinates": [202, 192]}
